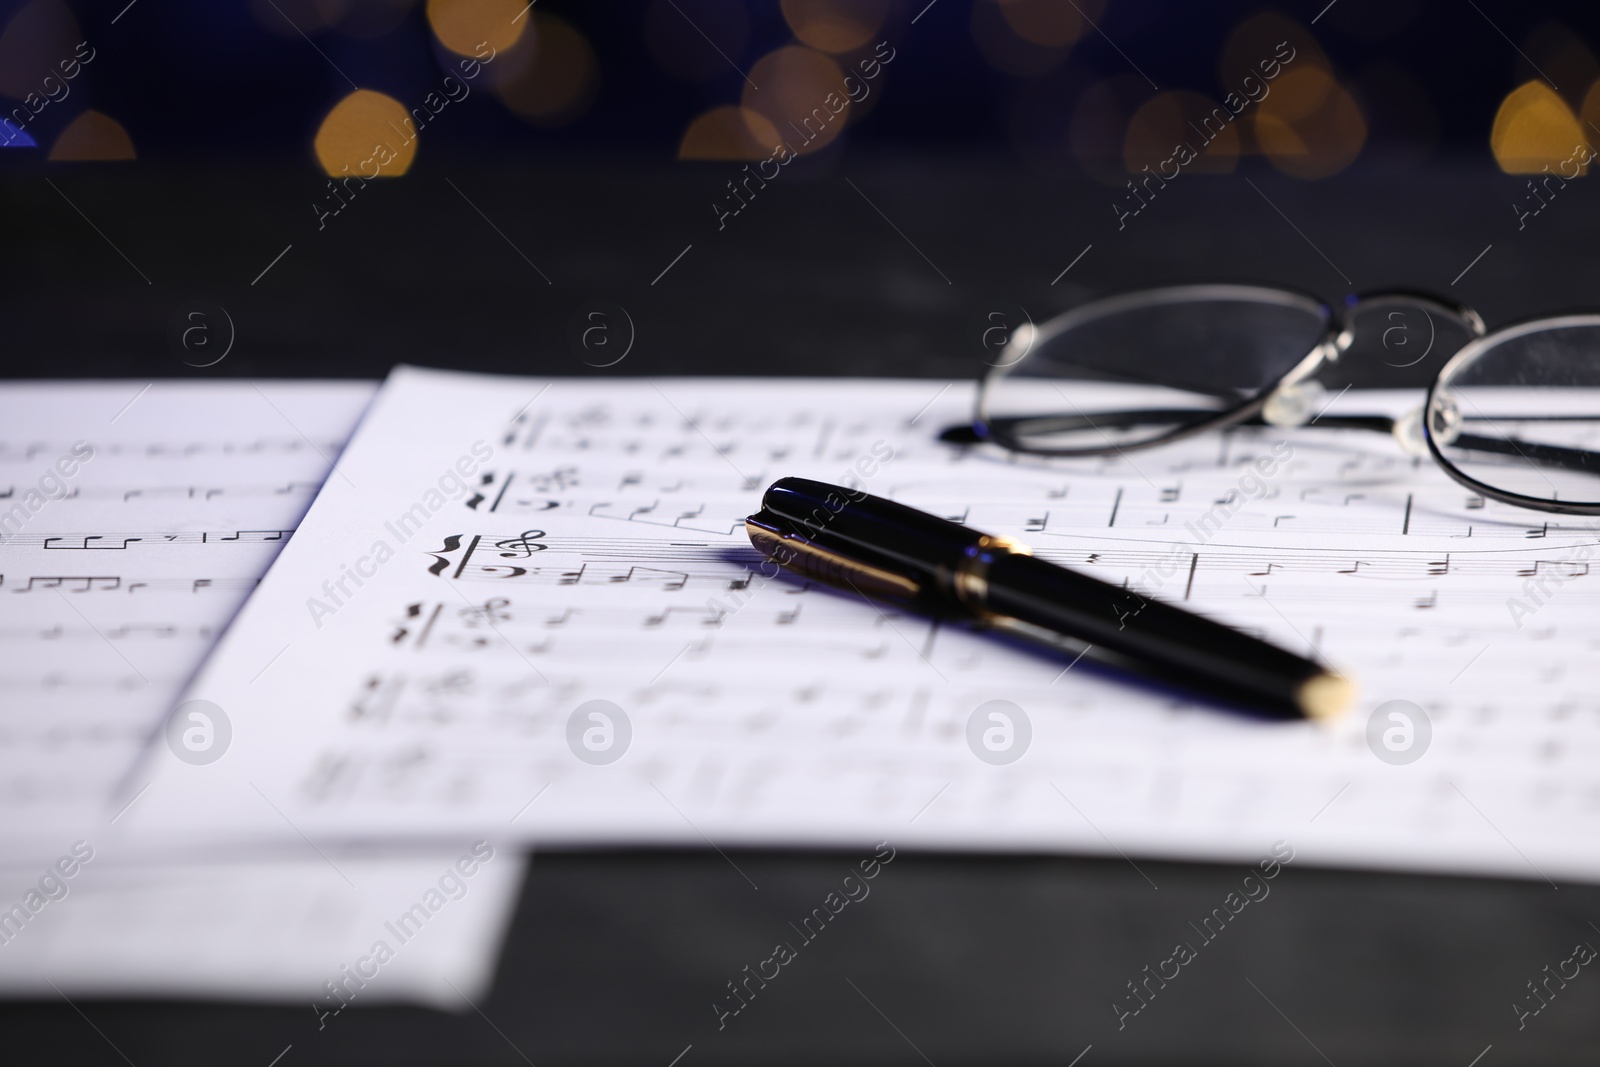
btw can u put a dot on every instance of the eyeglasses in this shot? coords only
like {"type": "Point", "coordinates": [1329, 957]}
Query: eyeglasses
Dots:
{"type": "Point", "coordinates": [1512, 415]}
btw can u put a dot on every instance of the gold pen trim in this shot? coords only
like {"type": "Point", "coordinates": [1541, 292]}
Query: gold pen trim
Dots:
{"type": "Point", "coordinates": [1324, 697]}
{"type": "Point", "coordinates": [804, 557]}
{"type": "Point", "coordinates": [970, 582]}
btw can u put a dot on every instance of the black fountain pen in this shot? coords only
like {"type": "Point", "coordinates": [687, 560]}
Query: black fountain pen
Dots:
{"type": "Point", "coordinates": [879, 548]}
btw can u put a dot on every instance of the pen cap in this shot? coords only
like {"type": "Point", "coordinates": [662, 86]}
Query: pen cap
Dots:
{"type": "Point", "coordinates": [916, 539]}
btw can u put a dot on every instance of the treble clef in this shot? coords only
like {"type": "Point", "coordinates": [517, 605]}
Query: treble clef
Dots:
{"type": "Point", "coordinates": [521, 547]}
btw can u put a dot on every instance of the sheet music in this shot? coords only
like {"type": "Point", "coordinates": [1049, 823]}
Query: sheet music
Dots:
{"type": "Point", "coordinates": [134, 520]}
{"type": "Point", "coordinates": [154, 511]}
{"type": "Point", "coordinates": [503, 551]}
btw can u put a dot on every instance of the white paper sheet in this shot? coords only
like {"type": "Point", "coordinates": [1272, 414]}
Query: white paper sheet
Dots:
{"type": "Point", "coordinates": [286, 926]}
{"type": "Point", "coordinates": [117, 574]}
{"type": "Point", "coordinates": [135, 518]}
{"type": "Point", "coordinates": [415, 659]}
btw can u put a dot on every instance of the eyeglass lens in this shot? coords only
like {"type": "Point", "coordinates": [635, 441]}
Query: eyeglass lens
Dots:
{"type": "Point", "coordinates": [1129, 370]}
{"type": "Point", "coordinates": [1519, 411]}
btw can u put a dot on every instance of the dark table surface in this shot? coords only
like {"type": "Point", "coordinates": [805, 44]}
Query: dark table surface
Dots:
{"type": "Point", "coordinates": [891, 267]}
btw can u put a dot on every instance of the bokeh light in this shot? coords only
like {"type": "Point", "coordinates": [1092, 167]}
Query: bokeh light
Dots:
{"type": "Point", "coordinates": [1260, 40]}
{"type": "Point", "coordinates": [673, 29]}
{"type": "Point", "coordinates": [802, 93]}
{"type": "Point", "coordinates": [1534, 129]}
{"type": "Point", "coordinates": [92, 137]}
{"type": "Point", "coordinates": [463, 25]}
{"type": "Point", "coordinates": [1589, 113]}
{"type": "Point", "coordinates": [835, 25]}
{"type": "Point", "coordinates": [366, 135]}
{"type": "Point", "coordinates": [729, 133]}
{"type": "Point", "coordinates": [1027, 38]}
{"type": "Point", "coordinates": [1181, 118]}
{"type": "Point", "coordinates": [34, 42]}
{"type": "Point", "coordinates": [1045, 22]}
{"type": "Point", "coordinates": [551, 76]}
{"type": "Point", "coordinates": [14, 136]}
{"type": "Point", "coordinates": [1314, 143]}
{"type": "Point", "coordinates": [1298, 93]}
{"type": "Point", "coordinates": [1306, 122]}
{"type": "Point", "coordinates": [1552, 51]}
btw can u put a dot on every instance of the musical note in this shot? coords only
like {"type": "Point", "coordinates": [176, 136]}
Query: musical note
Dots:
{"type": "Point", "coordinates": [639, 587]}
{"type": "Point", "coordinates": [406, 629]}
{"type": "Point", "coordinates": [522, 546]}
{"type": "Point", "coordinates": [485, 481]}
{"type": "Point", "coordinates": [70, 583]}
{"type": "Point", "coordinates": [1561, 568]}
{"type": "Point", "coordinates": [452, 544]}
{"type": "Point", "coordinates": [192, 492]}
{"type": "Point", "coordinates": [84, 543]}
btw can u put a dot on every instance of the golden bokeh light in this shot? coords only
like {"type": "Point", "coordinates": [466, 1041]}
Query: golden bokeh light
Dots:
{"type": "Point", "coordinates": [1174, 119]}
{"type": "Point", "coordinates": [1266, 46]}
{"type": "Point", "coordinates": [1047, 23]}
{"type": "Point", "coordinates": [1298, 93]}
{"type": "Point", "coordinates": [1554, 52]}
{"type": "Point", "coordinates": [463, 25]}
{"type": "Point", "coordinates": [1534, 129]}
{"type": "Point", "coordinates": [38, 37]}
{"type": "Point", "coordinates": [1310, 144]}
{"type": "Point", "coordinates": [1027, 38]}
{"type": "Point", "coordinates": [366, 135]}
{"type": "Point", "coordinates": [802, 93]}
{"type": "Point", "coordinates": [550, 77]}
{"type": "Point", "coordinates": [1305, 120]}
{"type": "Point", "coordinates": [835, 25]}
{"type": "Point", "coordinates": [1589, 113]}
{"type": "Point", "coordinates": [93, 137]}
{"type": "Point", "coordinates": [729, 133]}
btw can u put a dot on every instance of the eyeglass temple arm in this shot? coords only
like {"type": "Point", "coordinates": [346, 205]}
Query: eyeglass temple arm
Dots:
{"type": "Point", "coordinates": [1571, 459]}
{"type": "Point", "coordinates": [967, 434]}
{"type": "Point", "coordinates": [1574, 459]}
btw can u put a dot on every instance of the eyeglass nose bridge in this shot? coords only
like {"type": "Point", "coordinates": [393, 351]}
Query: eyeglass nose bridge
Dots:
{"type": "Point", "coordinates": [1299, 397]}
{"type": "Point", "coordinates": [1019, 344]}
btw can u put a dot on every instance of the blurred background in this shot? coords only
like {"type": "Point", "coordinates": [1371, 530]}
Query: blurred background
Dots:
{"type": "Point", "coordinates": [1033, 82]}
{"type": "Point", "coordinates": [845, 187]}
{"type": "Point", "coordinates": [849, 186]}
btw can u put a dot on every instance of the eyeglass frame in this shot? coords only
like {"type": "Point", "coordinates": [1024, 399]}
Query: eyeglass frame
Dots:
{"type": "Point", "coordinates": [1336, 340]}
